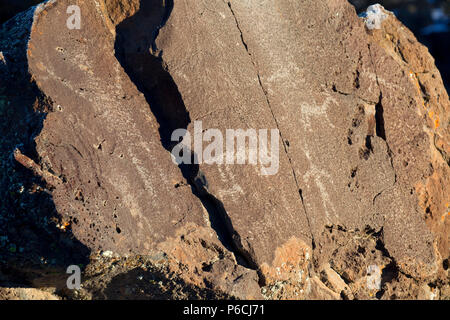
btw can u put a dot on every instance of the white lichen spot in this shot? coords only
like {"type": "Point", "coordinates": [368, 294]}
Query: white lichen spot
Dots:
{"type": "Point", "coordinates": [107, 254]}
{"type": "Point", "coordinates": [374, 16]}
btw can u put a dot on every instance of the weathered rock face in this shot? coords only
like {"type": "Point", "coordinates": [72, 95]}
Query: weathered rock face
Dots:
{"type": "Point", "coordinates": [363, 164]}
{"type": "Point", "coordinates": [431, 29]}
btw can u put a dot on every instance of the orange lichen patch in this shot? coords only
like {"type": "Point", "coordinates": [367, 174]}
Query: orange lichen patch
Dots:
{"type": "Point", "coordinates": [433, 198]}
{"type": "Point", "coordinates": [436, 122]}
{"type": "Point", "coordinates": [416, 82]}
{"type": "Point", "coordinates": [30, 49]}
{"type": "Point", "coordinates": [290, 267]}
{"type": "Point", "coordinates": [444, 216]}
{"type": "Point", "coordinates": [63, 226]}
{"type": "Point", "coordinates": [434, 118]}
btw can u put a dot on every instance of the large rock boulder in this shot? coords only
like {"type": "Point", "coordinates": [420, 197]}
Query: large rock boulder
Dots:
{"type": "Point", "coordinates": [362, 117]}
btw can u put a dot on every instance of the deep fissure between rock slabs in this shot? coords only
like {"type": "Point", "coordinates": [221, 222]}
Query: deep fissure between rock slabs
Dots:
{"type": "Point", "coordinates": [137, 52]}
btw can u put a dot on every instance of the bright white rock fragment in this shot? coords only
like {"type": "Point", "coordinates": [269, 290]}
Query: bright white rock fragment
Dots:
{"type": "Point", "coordinates": [107, 254]}
{"type": "Point", "coordinates": [374, 16]}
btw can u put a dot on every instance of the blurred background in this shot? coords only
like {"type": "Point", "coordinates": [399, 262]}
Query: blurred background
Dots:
{"type": "Point", "coordinates": [9, 8]}
{"type": "Point", "coordinates": [428, 19]}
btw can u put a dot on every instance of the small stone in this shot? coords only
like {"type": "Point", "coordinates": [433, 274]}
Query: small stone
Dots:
{"type": "Point", "coordinates": [107, 254]}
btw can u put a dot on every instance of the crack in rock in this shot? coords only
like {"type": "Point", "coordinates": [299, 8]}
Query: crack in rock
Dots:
{"type": "Point", "coordinates": [148, 72]}
{"type": "Point", "coordinates": [285, 147]}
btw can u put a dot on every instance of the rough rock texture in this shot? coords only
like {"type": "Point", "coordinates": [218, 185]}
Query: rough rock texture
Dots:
{"type": "Point", "coordinates": [87, 171]}
{"type": "Point", "coordinates": [25, 294]}
{"type": "Point", "coordinates": [428, 20]}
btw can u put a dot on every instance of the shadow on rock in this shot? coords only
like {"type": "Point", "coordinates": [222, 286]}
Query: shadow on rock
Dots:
{"type": "Point", "coordinates": [137, 52]}
{"type": "Point", "coordinates": [35, 245]}
{"type": "Point", "coordinates": [139, 284]}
